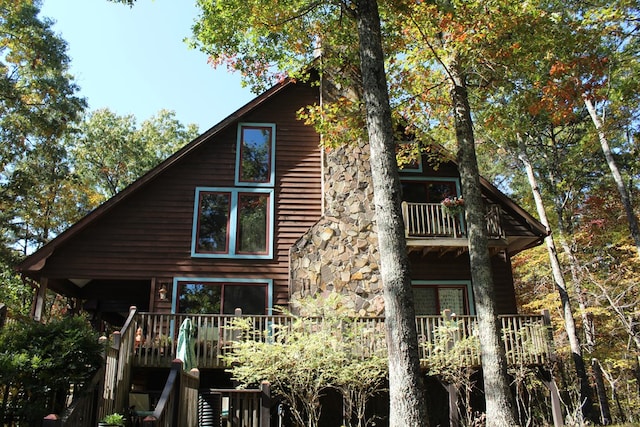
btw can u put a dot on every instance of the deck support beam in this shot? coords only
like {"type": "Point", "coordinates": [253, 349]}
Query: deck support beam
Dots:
{"type": "Point", "coordinates": [40, 299]}
{"type": "Point", "coordinates": [556, 405]}
{"type": "Point", "coordinates": [265, 404]}
{"type": "Point", "coordinates": [454, 420]}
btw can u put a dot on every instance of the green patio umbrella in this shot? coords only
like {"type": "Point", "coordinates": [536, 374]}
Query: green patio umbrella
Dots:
{"type": "Point", "coordinates": [184, 349]}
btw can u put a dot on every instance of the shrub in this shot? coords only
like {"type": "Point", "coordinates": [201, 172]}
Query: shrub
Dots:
{"type": "Point", "coordinates": [40, 362]}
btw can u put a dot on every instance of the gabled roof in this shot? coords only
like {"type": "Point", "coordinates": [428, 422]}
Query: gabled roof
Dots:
{"type": "Point", "coordinates": [37, 260]}
{"type": "Point", "coordinates": [535, 226]}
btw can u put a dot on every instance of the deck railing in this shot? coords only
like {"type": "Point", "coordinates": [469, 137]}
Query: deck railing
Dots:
{"type": "Point", "coordinates": [525, 337]}
{"type": "Point", "coordinates": [433, 220]}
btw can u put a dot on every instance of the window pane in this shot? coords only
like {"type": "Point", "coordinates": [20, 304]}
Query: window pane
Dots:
{"type": "Point", "coordinates": [252, 299]}
{"type": "Point", "coordinates": [198, 298]}
{"type": "Point", "coordinates": [438, 191]}
{"type": "Point", "coordinates": [427, 192]}
{"type": "Point", "coordinates": [414, 192]}
{"type": "Point", "coordinates": [213, 220]}
{"type": "Point", "coordinates": [425, 301]}
{"type": "Point", "coordinates": [452, 299]}
{"type": "Point", "coordinates": [255, 154]}
{"type": "Point", "coordinates": [252, 223]}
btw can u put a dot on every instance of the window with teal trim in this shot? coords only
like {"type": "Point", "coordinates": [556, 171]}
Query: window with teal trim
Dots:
{"type": "Point", "coordinates": [221, 297]}
{"type": "Point", "coordinates": [428, 191]}
{"type": "Point", "coordinates": [255, 154]}
{"type": "Point", "coordinates": [233, 223]}
{"type": "Point", "coordinates": [434, 299]}
{"type": "Point", "coordinates": [214, 209]}
{"type": "Point", "coordinates": [409, 157]}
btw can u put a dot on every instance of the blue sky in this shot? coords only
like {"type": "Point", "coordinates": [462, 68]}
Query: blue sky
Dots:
{"type": "Point", "coordinates": [134, 60]}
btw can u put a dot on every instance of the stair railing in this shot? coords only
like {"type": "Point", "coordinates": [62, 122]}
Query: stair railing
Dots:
{"type": "Point", "coordinates": [117, 370]}
{"type": "Point", "coordinates": [178, 404]}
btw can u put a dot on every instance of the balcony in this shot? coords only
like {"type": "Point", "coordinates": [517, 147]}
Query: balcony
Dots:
{"type": "Point", "coordinates": [430, 225]}
{"type": "Point", "coordinates": [526, 338]}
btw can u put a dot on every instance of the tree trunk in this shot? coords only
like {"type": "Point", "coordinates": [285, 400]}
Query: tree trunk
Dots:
{"type": "Point", "coordinates": [500, 406]}
{"type": "Point", "coordinates": [605, 412]}
{"type": "Point", "coordinates": [406, 389]}
{"type": "Point", "coordinates": [588, 327]}
{"type": "Point", "coordinates": [586, 401]}
{"type": "Point", "coordinates": [632, 219]}
{"type": "Point", "coordinates": [577, 278]}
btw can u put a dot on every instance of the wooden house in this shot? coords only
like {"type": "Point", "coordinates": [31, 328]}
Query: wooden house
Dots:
{"type": "Point", "coordinates": [247, 216]}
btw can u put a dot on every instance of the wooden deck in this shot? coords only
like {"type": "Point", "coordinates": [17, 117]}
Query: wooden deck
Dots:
{"type": "Point", "coordinates": [429, 224]}
{"type": "Point", "coordinates": [526, 337]}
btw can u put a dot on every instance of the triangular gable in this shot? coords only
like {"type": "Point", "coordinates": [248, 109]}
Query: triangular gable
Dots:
{"type": "Point", "coordinates": [37, 260]}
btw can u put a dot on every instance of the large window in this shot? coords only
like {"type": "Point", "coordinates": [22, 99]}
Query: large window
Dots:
{"type": "Point", "coordinates": [255, 159]}
{"type": "Point", "coordinates": [431, 298]}
{"type": "Point", "coordinates": [222, 296]}
{"type": "Point", "coordinates": [428, 191]}
{"type": "Point", "coordinates": [233, 222]}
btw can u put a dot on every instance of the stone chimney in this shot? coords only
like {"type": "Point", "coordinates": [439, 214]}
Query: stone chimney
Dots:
{"type": "Point", "coordinates": [340, 252]}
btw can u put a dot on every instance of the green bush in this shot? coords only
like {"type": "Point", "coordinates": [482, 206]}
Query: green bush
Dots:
{"type": "Point", "coordinates": [40, 362]}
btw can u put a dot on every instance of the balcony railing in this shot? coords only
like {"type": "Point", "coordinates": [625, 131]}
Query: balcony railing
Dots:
{"type": "Point", "coordinates": [525, 338]}
{"type": "Point", "coordinates": [429, 220]}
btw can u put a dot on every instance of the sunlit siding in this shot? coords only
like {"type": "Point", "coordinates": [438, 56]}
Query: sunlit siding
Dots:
{"type": "Point", "coordinates": [453, 266]}
{"type": "Point", "coordinates": [149, 234]}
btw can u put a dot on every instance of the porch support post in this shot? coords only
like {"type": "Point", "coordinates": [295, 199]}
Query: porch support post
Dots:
{"type": "Point", "coordinates": [40, 299]}
{"type": "Point", "coordinates": [556, 404]}
{"type": "Point", "coordinates": [265, 404]}
{"type": "Point", "coordinates": [454, 420]}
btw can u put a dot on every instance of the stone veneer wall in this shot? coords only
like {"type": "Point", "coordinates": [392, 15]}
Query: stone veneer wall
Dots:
{"type": "Point", "coordinates": [340, 252]}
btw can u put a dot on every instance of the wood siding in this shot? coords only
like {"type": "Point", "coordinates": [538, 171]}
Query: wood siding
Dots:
{"type": "Point", "coordinates": [453, 266]}
{"type": "Point", "coordinates": [148, 235]}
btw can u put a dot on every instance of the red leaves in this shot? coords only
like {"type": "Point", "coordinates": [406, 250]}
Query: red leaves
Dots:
{"type": "Point", "coordinates": [567, 83]}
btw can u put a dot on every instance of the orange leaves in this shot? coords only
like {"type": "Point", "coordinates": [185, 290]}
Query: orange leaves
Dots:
{"type": "Point", "coordinates": [567, 83]}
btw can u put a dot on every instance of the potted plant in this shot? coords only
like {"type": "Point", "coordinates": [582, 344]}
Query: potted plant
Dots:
{"type": "Point", "coordinates": [112, 420]}
{"type": "Point", "coordinates": [453, 206]}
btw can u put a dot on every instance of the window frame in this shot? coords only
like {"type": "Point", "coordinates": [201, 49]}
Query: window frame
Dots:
{"type": "Point", "coordinates": [465, 284]}
{"type": "Point", "coordinates": [232, 224]}
{"type": "Point", "coordinates": [272, 152]}
{"type": "Point", "coordinates": [407, 169]}
{"type": "Point", "coordinates": [233, 281]}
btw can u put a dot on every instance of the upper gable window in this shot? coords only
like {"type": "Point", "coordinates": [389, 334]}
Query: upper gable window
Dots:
{"type": "Point", "coordinates": [409, 160]}
{"type": "Point", "coordinates": [255, 154]}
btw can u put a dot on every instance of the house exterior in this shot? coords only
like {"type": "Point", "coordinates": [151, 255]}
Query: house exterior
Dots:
{"type": "Point", "coordinates": [251, 214]}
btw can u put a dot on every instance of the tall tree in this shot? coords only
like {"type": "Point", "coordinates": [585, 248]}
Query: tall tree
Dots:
{"type": "Point", "coordinates": [111, 151]}
{"type": "Point", "coordinates": [405, 379]}
{"type": "Point", "coordinates": [37, 99]}
{"type": "Point", "coordinates": [567, 311]}
{"type": "Point", "coordinates": [252, 37]}
{"type": "Point", "coordinates": [37, 94]}
{"type": "Point", "coordinates": [38, 103]}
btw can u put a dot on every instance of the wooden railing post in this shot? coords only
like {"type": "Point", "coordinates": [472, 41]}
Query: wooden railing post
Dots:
{"type": "Point", "coordinates": [265, 404]}
{"type": "Point", "coordinates": [405, 217]}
